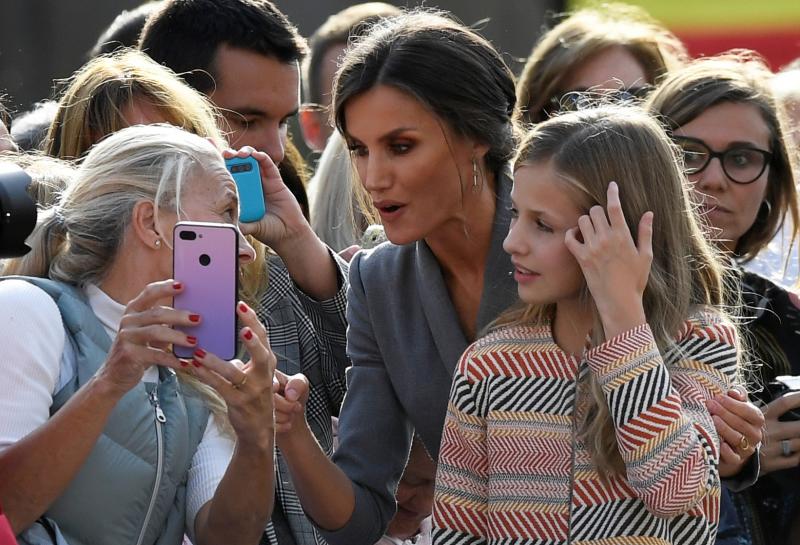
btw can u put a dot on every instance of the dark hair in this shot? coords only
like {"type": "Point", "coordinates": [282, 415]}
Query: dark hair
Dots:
{"type": "Point", "coordinates": [741, 77]}
{"type": "Point", "coordinates": [450, 69]}
{"type": "Point", "coordinates": [5, 115]}
{"type": "Point", "coordinates": [124, 30]}
{"type": "Point", "coordinates": [338, 29]}
{"type": "Point", "coordinates": [185, 35]}
{"type": "Point", "coordinates": [29, 129]}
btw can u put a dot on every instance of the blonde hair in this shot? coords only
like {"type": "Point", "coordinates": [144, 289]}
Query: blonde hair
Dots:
{"type": "Point", "coordinates": [77, 240]}
{"type": "Point", "coordinates": [335, 211]}
{"type": "Point", "coordinates": [739, 77]}
{"type": "Point", "coordinates": [587, 150]}
{"type": "Point", "coordinates": [92, 106]}
{"type": "Point", "coordinates": [584, 34]}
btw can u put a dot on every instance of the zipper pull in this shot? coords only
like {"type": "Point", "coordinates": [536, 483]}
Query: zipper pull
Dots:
{"type": "Point", "coordinates": [160, 416]}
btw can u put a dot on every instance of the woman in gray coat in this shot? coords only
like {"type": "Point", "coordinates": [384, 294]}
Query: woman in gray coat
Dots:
{"type": "Point", "coordinates": [425, 107]}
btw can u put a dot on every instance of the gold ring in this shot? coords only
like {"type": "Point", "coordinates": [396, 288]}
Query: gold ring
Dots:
{"type": "Point", "coordinates": [744, 443]}
{"type": "Point", "coordinates": [239, 385]}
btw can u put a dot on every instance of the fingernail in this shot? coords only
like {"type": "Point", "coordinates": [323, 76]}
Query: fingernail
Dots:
{"type": "Point", "coordinates": [177, 285]}
{"type": "Point", "coordinates": [243, 307]}
{"type": "Point", "coordinates": [196, 363]}
{"type": "Point", "coordinates": [191, 340]}
{"type": "Point", "coordinates": [248, 334]}
{"type": "Point", "coordinates": [195, 317]}
{"type": "Point", "coordinates": [184, 363]}
{"type": "Point", "coordinates": [200, 353]}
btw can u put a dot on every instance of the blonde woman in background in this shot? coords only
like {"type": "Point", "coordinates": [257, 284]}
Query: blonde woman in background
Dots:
{"type": "Point", "coordinates": [611, 48]}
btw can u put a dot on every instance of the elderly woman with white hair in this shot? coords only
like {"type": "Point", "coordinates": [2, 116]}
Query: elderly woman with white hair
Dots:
{"type": "Point", "coordinates": [106, 436]}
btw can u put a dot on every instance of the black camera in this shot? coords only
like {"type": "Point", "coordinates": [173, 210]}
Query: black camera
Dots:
{"type": "Point", "coordinates": [17, 211]}
{"type": "Point", "coordinates": [780, 387]}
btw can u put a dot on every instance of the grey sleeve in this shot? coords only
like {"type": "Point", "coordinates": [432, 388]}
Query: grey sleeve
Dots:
{"type": "Point", "coordinates": [374, 431]}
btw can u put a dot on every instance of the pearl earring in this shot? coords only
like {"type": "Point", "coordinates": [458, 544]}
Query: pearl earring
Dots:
{"type": "Point", "coordinates": [158, 243]}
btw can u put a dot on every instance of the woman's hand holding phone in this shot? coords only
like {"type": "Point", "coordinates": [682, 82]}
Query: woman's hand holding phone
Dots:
{"type": "Point", "coordinates": [145, 335]}
{"type": "Point", "coordinates": [246, 387]}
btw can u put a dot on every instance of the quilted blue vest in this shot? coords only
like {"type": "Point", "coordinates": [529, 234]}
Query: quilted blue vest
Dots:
{"type": "Point", "coordinates": [132, 487]}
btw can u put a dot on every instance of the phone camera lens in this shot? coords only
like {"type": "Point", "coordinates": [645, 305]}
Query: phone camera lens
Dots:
{"type": "Point", "coordinates": [187, 235]}
{"type": "Point", "coordinates": [205, 259]}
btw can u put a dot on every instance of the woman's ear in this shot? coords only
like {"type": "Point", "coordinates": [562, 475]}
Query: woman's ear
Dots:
{"type": "Point", "coordinates": [143, 223]}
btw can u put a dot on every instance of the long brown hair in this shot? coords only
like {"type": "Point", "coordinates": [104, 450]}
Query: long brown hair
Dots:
{"type": "Point", "coordinates": [586, 33]}
{"type": "Point", "coordinates": [587, 150]}
{"type": "Point", "coordinates": [740, 77]}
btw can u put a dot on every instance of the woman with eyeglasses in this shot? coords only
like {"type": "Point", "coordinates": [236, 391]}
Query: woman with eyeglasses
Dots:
{"type": "Point", "coordinates": [722, 113]}
{"type": "Point", "coordinates": [613, 50]}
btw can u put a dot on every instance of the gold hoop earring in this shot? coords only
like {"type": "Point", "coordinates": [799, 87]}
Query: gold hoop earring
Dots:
{"type": "Point", "coordinates": [475, 187]}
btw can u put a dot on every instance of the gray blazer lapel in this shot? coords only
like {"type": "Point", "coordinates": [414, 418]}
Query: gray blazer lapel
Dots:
{"type": "Point", "coordinates": [438, 308]}
{"type": "Point", "coordinates": [499, 287]}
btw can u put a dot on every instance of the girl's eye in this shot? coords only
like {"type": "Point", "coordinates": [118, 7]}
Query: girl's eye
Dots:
{"type": "Point", "coordinates": [514, 212]}
{"type": "Point", "coordinates": [543, 226]}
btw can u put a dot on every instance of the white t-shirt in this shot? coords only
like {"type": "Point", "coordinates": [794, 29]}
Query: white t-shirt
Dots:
{"type": "Point", "coordinates": [32, 340]}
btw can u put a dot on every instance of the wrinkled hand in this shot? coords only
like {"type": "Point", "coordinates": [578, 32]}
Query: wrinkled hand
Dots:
{"type": "Point", "coordinates": [739, 425]}
{"type": "Point", "coordinates": [284, 220]}
{"type": "Point", "coordinates": [772, 458]}
{"type": "Point", "coordinates": [145, 336]}
{"type": "Point", "coordinates": [290, 397]}
{"type": "Point", "coordinates": [245, 387]}
{"type": "Point", "coordinates": [615, 268]}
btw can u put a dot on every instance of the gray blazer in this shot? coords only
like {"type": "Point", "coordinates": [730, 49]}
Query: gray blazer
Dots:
{"type": "Point", "coordinates": [404, 340]}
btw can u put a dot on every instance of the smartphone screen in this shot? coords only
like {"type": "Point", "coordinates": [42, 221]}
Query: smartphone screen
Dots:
{"type": "Point", "coordinates": [206, 261]}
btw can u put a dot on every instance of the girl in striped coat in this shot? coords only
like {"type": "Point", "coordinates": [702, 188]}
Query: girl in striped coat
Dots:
{"type": "Point", "coordinates": [581, 417]}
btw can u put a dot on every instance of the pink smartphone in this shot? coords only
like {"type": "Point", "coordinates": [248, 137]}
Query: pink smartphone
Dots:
{"type": "Point", "coordinates": [206, 260]}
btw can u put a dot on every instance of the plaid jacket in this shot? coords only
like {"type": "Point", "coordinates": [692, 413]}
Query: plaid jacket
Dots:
{"type": "Point", "coordinates": [307, 337]}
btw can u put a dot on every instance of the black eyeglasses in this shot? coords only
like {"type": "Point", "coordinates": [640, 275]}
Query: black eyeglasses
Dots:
{"type": "Point", "coordinates": [582, 99]}
{"type": "Point", "coordinates": [741, 164]}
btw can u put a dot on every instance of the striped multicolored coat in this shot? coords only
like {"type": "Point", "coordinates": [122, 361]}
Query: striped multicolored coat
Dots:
{"type": "Point", "coordinates": [511, 470]}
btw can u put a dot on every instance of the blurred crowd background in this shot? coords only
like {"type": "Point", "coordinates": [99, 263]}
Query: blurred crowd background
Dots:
{"type": "Point", "coordinates": [44, 40]}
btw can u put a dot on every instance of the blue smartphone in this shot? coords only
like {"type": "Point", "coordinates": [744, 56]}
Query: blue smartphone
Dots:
{"type": "Point", "coordinates": [247, 176]}
{"type": "Point", "coordinates": [206, 261]}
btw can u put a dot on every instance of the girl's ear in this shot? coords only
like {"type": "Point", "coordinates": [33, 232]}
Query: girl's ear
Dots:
{"type": "Point", "coordinates": [143, 223]}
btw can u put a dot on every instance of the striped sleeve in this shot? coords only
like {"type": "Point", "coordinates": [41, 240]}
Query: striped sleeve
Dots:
{"type": "Point", "coordinates": [461, 497]}
{"type": "Point", "coordinates": [664, 432]}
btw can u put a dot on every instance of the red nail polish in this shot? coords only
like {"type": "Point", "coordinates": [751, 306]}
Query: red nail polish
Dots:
{"type": "Point", "coordinates": [196, 363]}
{"type": "Point", "coordinates": [184, 363]}
{"type": "Point", "coordinates": [177, 285]}
{"type": "Point", "coordinates": [200, 353]}
{"type": "Point", "coordinates": [195, 317]}
{"type": "Point", "coordinates": [191, 340]}
{"type": "Point", "coordinates": [248, 334]}
{"type": "Point", "coordinates": [243, 307]}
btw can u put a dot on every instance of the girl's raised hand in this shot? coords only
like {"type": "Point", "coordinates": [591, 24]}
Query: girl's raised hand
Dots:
{"type": "Point", "coordinates": [615, 268]}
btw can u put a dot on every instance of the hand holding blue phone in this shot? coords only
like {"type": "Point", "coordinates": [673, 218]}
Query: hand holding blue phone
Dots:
{"type": "Point", "coordinates": [246, 174]}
